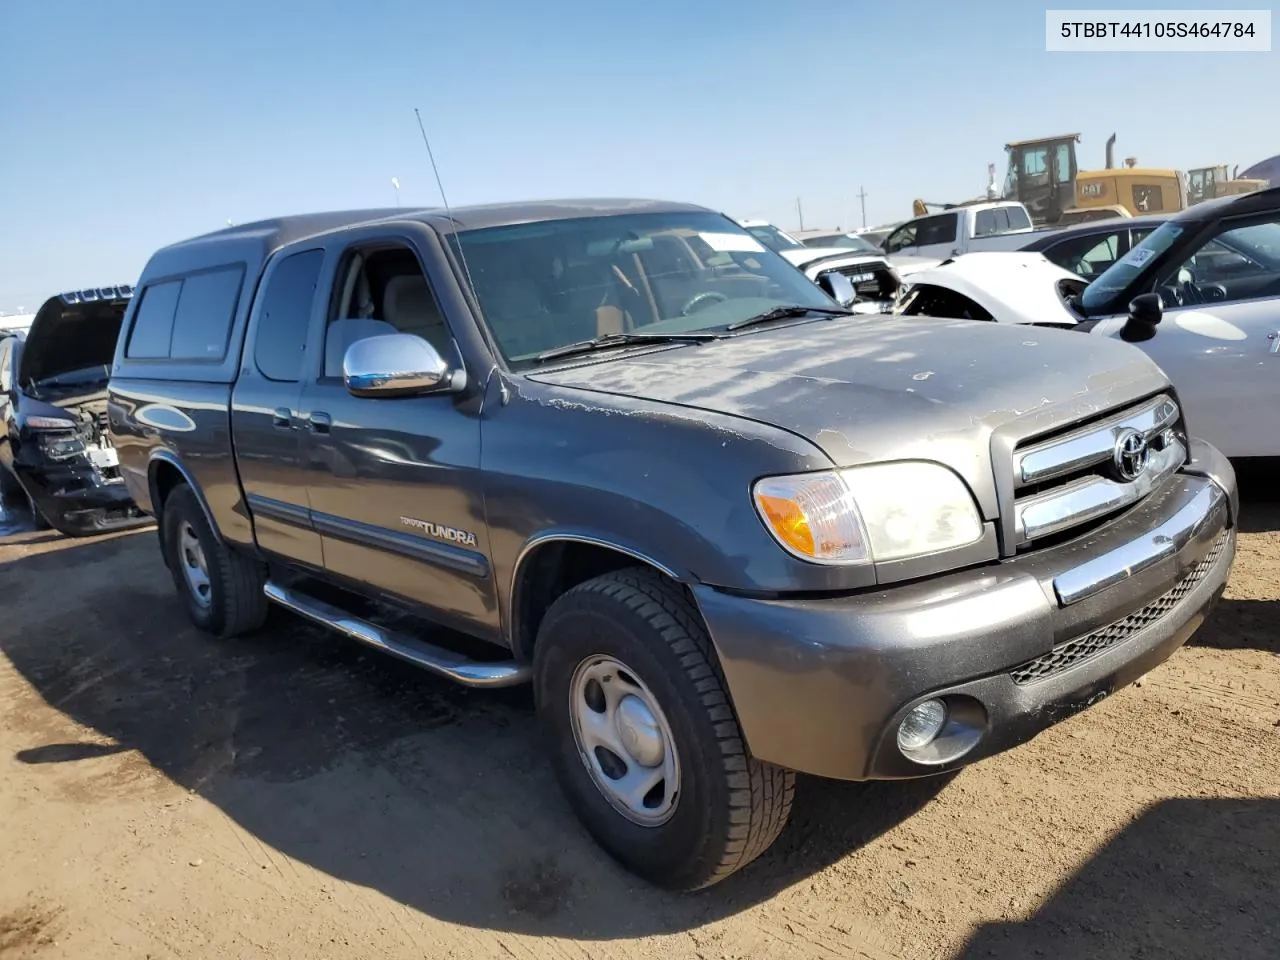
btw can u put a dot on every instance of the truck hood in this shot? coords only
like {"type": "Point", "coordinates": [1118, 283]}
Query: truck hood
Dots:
{"type": "Point", "coordinates": [73, 331]}
{"type": "Point", "coordinates": [873, 388]}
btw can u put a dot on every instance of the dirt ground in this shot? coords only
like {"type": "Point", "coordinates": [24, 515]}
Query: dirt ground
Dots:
{"type": "Point", "coordinates": [290, 796]}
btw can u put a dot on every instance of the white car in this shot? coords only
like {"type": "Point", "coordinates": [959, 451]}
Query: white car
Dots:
{"type": "Point", "coordinates": [1201, 295]}
{"type": "Point", "coordinates": [15, 322]}
{"type": "Point", "coordinates": [1005, 286]}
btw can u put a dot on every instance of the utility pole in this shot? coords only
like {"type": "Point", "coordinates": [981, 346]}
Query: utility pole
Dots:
{"type": "Point", "coordinates": [800, 213]}
{"type": "Point", "coordinates": [862, 196]}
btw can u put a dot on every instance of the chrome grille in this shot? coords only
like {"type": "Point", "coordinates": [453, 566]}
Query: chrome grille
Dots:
{"type": "Point", "coordinates": [1077, 477]}
{"type": "Point", "coordinates": [1067, 655]}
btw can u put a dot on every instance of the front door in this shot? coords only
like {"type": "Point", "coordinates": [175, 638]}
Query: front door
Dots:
{"type": "Point", "coordinates": [1219, 338]}
{"type": "Point", "coordinates": [394, 483]}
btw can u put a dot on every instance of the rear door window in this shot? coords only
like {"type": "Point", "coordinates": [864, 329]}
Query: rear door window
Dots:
{"type": "Point", "coordinates": [286, 312]}
{"type": "Point", "coordinates": [1089, 255]}
{"type": "Point", "coordinates": [1017, 218]}
{"type": "Point", "coordinates": [203, 317]}
{"type": "Point", "coordinates": [153, 322]}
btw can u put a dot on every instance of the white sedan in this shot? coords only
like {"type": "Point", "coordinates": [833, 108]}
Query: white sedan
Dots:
{"type": "Point", "coordinates": [1222, 352]}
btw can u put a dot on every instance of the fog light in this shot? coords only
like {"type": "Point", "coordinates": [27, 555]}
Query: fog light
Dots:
{"type": "Point", "coordinates": [921, 725]}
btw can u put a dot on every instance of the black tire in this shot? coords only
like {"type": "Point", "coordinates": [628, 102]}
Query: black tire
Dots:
{"type": "Point", "coordinates": [730, 806]}
{"type": "Point", "coordinates": [236, 603]}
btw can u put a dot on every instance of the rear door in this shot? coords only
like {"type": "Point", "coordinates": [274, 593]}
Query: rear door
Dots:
{"type": "Point", "coordinates": [394, 483]}
{"type": "Point", "coordinates": [264, 409]}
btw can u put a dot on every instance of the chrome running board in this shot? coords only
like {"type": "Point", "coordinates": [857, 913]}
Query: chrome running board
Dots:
{"type": "Point", "coordinates": [446, 663]}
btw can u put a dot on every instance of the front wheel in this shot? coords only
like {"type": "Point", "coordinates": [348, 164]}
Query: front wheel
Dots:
{"type": "Point", "coordinates": [37, 518]}
{"type": "Point", "coordinates": [643, 736]}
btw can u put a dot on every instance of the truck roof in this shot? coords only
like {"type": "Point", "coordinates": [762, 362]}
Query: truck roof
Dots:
{"type": "Point", "coordinates": [255, 242]}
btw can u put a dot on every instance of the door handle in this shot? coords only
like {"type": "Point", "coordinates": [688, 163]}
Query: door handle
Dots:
{"type": "Point", "coordinates": [282, 417]}
{"type": "Point", "coordinates": [1274, 337]}
{"type": "Point", "coordinates": [319, 422]}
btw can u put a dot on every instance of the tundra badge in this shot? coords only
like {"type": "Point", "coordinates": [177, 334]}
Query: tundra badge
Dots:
{"type": "Point", "coordinates": [452, 534]}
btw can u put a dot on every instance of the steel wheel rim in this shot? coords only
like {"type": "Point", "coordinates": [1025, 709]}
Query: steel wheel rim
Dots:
{"type": "Point", "coordinates": [195, 570]}
{"type": "Point", "coordinates": [624, 740]}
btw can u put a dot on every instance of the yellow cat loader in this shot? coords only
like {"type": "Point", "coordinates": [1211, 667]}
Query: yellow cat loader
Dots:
{"type": "Point", "coordinates": [1042, 175]}
{"type": "Point", "coordinates": [1205, 183]}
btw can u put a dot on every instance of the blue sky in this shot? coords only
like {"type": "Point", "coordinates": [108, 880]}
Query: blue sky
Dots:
{"type": "Point", "coordinates": [128, 125]}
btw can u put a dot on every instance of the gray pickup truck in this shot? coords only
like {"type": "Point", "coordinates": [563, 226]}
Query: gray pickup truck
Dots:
{"type": "Point", "coordinates": [727, 530]}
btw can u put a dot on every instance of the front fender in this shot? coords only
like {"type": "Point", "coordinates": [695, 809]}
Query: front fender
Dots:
{"type": "Point", "coordinates": [666, 484]}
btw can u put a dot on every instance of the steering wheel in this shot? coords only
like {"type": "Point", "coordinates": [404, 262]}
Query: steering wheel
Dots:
{"type": "Point", "coordinates": [1190, 293]}
{"type": "Point", "coordinates": [701, 299]}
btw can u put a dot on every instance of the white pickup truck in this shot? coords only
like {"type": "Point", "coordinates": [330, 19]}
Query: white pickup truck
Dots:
{"type": "Point", "coordinates": [998, 225]}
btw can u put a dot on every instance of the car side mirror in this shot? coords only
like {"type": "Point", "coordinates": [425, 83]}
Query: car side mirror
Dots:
{"type": "Point", "coordinates": [1145, 311]}
{"type": "Point", "coordinates": [838, 287]}
{"type": "Point", "coordinates": [395, 365]}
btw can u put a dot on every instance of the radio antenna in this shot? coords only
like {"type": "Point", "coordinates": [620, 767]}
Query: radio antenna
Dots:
{"type": "Point", "coordinates": [447, 212]}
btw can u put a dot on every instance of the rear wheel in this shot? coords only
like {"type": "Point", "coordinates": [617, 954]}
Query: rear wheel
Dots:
{"type": "Point", "coordinates": [643, 737]}
{"type": "Point", "coordinates": [222, 589]}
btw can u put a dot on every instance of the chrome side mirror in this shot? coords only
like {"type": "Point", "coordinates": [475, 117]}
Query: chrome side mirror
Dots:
{"type": "Point", "coordinates": [395, 365]}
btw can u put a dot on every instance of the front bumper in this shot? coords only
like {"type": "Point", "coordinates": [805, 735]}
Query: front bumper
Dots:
{"type": "Point", "coordinates": [76, 502]}
{"type": "Point", "coordinates": [821, 685]}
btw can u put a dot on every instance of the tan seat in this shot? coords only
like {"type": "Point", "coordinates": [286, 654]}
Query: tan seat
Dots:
{"type": "Point", "coordinates": [342, 333]}
{"type": "Point", "coordinates": [407, 304]}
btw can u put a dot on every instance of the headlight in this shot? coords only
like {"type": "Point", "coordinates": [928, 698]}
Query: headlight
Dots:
{"type": "Point", "coordinates": [49, 423]}
{"type": "Point", "coordinates": [58, 447]}
{"type": "Point", "coordinates": [886, 511]}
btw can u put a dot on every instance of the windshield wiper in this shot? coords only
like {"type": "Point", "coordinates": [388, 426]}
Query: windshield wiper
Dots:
{"type": "Point", "coordinates": [621, 340]}
{"type": "Point", "coordinates": [782, 313]}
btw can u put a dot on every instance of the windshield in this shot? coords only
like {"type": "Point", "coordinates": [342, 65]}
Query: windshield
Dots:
{"type": "Point", "coordinates": [773, 238]}
{"type": "Point", "coordinates": [1118, 277]}
{"type": "Point", "coordinates": [545, 285]}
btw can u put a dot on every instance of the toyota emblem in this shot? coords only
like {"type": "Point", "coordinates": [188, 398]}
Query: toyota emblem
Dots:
{"type": "Point", "coordinates": [1131, 454]}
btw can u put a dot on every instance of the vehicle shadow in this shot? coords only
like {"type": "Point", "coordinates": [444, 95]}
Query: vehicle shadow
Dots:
{"type": "Point", "coordinates": [1236, 622]}
{"type": "Point", "coordinates": [1259, 482]}
{"type": "Point", "coordinates": [1240, 624]}
{"type": "Point", "coordinates": [1189, 878]}
{"type": "Point", "coordinates": [363, 767]}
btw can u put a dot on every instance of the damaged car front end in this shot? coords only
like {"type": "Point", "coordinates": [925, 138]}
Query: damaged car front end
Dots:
{"type": "Point", "coordinates": [55, 446]}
